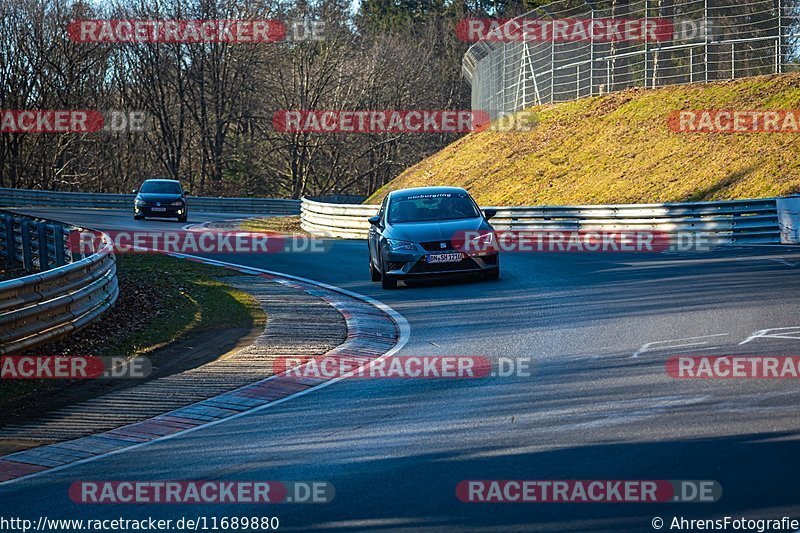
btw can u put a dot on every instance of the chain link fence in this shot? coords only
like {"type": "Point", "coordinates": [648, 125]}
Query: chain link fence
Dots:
{"type": "Point", "coordinates": [543, 57]}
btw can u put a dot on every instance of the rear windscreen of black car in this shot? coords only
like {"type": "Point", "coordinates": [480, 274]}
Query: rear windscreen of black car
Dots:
{"type": "Point", "coordinates": [432, 207]}
{"type": "Point", "coordinates": [160, 188]}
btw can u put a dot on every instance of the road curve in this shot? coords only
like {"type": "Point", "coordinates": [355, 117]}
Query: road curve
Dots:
{"type": "Point", "coordinates": [598, 405]}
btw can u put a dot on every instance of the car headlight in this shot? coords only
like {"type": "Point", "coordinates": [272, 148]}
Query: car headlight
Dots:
{"type": "Point", "coordinates": [486, 238]}
{"type": "Point", "coordinates": [483, 242]}
{"type": "Point", "coordinates": [137, 201]}
{"type": "Point", "coordinates": [395, 245]}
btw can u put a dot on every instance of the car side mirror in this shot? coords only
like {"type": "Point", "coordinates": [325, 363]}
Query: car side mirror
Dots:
{"type": "Point", "coordinates": [135, 191]}
{"type": "Point", "coordinates": [489, 213]}
{"type": "Point", "coordinates": [185, 193]}
{"type": "Point", "coordinates": [374, 220]}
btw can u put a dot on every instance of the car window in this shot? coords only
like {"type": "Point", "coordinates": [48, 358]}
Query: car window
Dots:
{"type": "Point", "coordinates": [382, 212]}
{"type": "Point", "coordinates": [432, 207]}
{"type": "Point", "coordinates": [160, 187]}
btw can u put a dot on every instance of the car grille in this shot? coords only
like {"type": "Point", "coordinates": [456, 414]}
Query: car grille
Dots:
{"type": "Point", "coordinates": [423, 267]}
{"type": "Point", "coordinates": [436, 246]}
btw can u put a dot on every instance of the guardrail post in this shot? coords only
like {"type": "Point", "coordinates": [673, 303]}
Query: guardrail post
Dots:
{"type": "Point", "coordinates": [27, 256]}
{"type": "Point", "coordinates": [11, 244]}
{"type": "Point", "coordinates": [44, 253]}
{"type": "Point", "coordinates": [789, 219]}
{"type": "Point", "coordinates": [58, 246]}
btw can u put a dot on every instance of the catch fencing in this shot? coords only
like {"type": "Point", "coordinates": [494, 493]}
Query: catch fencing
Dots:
{"type": "Point", "coordinates": [706, 40]}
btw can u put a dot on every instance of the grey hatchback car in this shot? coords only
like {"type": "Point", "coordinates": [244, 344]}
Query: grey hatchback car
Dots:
{"type": "Point", "coordinates": [431, 232]}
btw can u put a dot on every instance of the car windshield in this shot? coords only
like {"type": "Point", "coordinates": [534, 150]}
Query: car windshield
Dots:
{"type": "Point", "coordinates": [160, 187]}
{"type": "Point", "coordinates": [432, 207]}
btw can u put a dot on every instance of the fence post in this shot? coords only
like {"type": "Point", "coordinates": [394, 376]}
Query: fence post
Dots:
{"type": "Point", "coordinates": [591, 57]}
{"type": "Point", "coordinates": [646, 43]}
{"type": "Point", "coordinates": [11, 243]}
{"type": "Point", "coordinates": [705, 54]}
{"type": "Point", "coordinates": [58, 245]}
{"type": "Point", "coordinates": [44, 255]}
{"type": "Point", "coordinates": [25, 233]}
{"type": "Point", "coordinates": [789, 219]}
{"type": "Point", "coordinates": [778, 48]}
{"type": "Point", "coordinates": [552, 70]}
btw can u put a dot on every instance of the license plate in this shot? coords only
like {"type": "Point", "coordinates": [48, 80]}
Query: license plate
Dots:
{"type": "Point", "coordinates": [159, 209]}
{"type": "Point", "coordinates": [445, 258]}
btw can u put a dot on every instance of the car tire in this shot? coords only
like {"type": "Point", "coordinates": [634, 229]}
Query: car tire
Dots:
{"type": "Point", "coordinates": [374, 273]}
{"type": "Point", "coordinates": [386, 282]}
{"type": "Point", "coordinates": [138, 217]}
{"type": "Point", "coordinates": [183, 218]}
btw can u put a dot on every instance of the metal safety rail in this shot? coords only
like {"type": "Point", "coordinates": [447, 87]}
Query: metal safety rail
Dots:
{"type": "Point", "coordinates": [738, 221]}
{"type": "Point", "coordinates": [31, 198]}
{"type": "Point", "coordinates": [66, 294]}
{"type": "Point", "coordinates": [345, 221]}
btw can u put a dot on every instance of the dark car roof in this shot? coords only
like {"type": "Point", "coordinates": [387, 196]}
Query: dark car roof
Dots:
{"type": "Point", "coordinates": [416, 191]}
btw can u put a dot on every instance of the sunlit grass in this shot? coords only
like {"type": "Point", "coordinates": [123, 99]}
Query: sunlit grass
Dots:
{"type": "Point", "coordinates": [619, 149]}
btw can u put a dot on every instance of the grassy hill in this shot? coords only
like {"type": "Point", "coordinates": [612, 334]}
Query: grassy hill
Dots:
{"type": "Point", "coordinates": [618, 148]}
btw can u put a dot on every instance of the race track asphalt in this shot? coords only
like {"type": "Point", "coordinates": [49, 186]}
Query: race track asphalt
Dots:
{"type": "Point", "coordinates": [597, 405]}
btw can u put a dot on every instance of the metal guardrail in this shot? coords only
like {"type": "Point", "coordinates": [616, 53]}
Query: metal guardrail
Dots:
{"type": "Point", "coordinates": [345, 221]}
{"type": "Point", "coordinates": [737, 221]}
{"type": "Point", "coordinates": [31, 198]}
{"type": "Point", "coordinates": [33, 244]}
{"type": "Point", "coordinates": [68, 292]}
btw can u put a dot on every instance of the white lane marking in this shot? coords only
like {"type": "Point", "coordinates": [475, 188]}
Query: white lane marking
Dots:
{"type": "Point", "coordinates": [785, 262]}
{"type": "Point", "coordinates": [646, 347]}
{"type": "Point", "coordinates": [694, 262]}
{"type": "Point", "coordinates": [700, 349]}
{"type": "Point", "coordinates": [404, 329]}
{"type": "Point", "coordinates": [786, 333]}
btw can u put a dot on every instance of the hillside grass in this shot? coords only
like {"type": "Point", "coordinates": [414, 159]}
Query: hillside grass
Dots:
{"type": "Point", "coordinates": [618, 149]}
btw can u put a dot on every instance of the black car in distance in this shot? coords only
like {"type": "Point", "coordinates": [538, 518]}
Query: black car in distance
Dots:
{"type": "Point", "coordinates": [161, 198]}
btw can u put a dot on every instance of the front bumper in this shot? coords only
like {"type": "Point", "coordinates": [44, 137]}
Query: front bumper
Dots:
{"type": "Point", "coordinates": [414, 264]}
{"type": "Point", "coordinates": [169, 211]}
